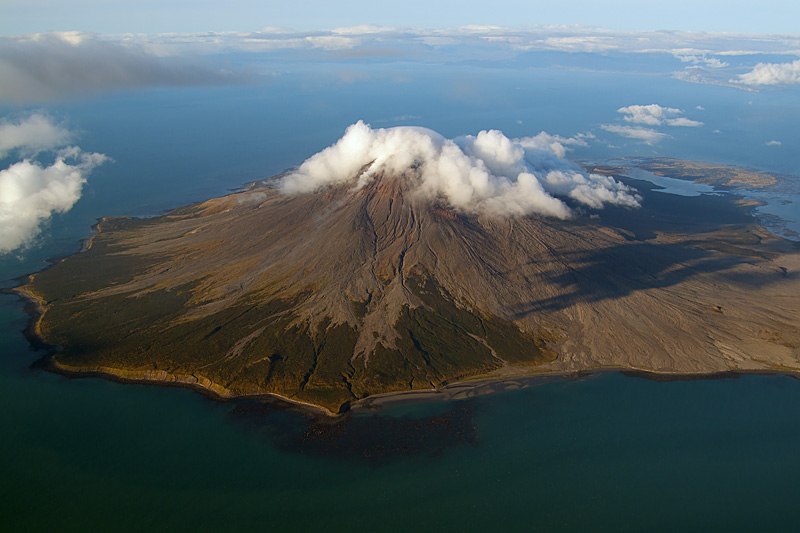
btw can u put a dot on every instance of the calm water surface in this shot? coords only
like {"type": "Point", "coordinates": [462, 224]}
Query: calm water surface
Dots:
{"type": "Point", "coordinates": [606, 452]}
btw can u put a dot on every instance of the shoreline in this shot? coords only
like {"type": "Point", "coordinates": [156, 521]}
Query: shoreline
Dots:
{"type": "Point", "coordinates": [212, 391]}
{"type": "Point", "coordinates": [459, 390]}
{"type": "Point", "coordinates": [469, 387]}
{"type": "Point", "coordinates": [34, 308]}
{"type": "Point", "coordinates": [463, 390]}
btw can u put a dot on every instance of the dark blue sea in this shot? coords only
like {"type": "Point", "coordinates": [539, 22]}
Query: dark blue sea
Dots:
{"type": "Point", "coordinates": [606, 452]}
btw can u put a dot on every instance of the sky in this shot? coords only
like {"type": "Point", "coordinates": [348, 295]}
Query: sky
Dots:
{"type": "Point", "coordinates": [149, 16]}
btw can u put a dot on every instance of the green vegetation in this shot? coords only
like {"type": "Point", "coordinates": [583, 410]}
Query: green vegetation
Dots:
{"type": "Point", "coordinates": [257, 345]}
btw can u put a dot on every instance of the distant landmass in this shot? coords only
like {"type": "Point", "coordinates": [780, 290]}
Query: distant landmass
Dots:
{"type": "Point", "coordinates": [333, 296]}
{"type": "Point", "coordinates": [705, 173]}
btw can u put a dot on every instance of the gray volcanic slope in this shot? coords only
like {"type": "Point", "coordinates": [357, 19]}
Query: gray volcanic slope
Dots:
{"type": "Point", "coordinates": [329, 297]}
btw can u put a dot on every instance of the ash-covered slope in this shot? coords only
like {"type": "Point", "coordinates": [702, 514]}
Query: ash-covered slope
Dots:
{"type": "Point", "coordinates": [324, 298]}
{"type": "Point", "coordinates": [384, 282]}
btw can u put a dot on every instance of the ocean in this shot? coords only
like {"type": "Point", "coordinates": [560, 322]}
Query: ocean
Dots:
{"type": "Point", "coordinates": [606, 452]}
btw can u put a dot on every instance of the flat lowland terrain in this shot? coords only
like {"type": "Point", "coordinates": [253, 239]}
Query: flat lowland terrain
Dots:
{"type": "Point", "coordinates": [332, 297]}
{"type": "Point", "coordinates": [706, 173]}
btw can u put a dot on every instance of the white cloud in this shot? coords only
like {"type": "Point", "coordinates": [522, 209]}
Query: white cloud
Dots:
{"type": "Point", "coordinates": [652, 114]}
{"type": "Point", "coordinates": [365, 29]}
{"type": "Point", "coordinates": [683, 121]}
{"type": "Point", "coordinates": [34, 133]}
{"type": "Point", "coordinates": [696, 48]}
{"type": "Point", "coordinates": [53, 65]}
{"type": "Point", "coordinates": [488, 173]}
{"type": "Point", "coordinates": [553, 143]}
{"type": "Point", "coordinates": [648, 135]}
{"type": "Point", "coordinates": [580, 43]}
{"type": "Point", "coordinates": [772, 74]}
{"type": "Point", "coordinates": [713, 62]}
{"type": "Point", "coordinates": [774, 143]}
{"type": "Point", "coordinates": [31, 192]}
{"type": "Point", "coordinates": [332, 42]}
{"type": "Point", "coordinates": [656, 115]}
{"type": "Point", "coordinates": [697, 57]}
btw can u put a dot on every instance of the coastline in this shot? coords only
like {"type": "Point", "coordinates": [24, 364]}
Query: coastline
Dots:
{"type": "Point", "coordinates": [34, 307]}
{"type": "Point", "coordinates": [203, 386]}
{"type": "Point", "coordinates": [468, 387]}
{"type": "Point", "coordinates": [463, 390]}
{"type": "Point", "coordinates": [458, 390]}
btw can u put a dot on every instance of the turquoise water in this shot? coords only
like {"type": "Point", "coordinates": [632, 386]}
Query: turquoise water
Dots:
{"type": "Point", "coordinates": [608, 452]}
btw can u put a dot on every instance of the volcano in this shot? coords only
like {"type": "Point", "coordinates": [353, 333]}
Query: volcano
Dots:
{"type": "Point", "coordinates": [377, 281]}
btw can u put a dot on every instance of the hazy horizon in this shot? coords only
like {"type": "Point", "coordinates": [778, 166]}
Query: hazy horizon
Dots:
{"type": "Point", "coordinates": [127, 16]}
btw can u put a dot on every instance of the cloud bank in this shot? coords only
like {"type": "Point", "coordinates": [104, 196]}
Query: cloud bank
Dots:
{"type": "Point", "coordinates": [772, 74]}
{"type": "Point", "coordinates": [484, 174]}
{"type": "Point", "coordinates": [48, 66]}
{"type": "Point", "coordinates": [30, 192]}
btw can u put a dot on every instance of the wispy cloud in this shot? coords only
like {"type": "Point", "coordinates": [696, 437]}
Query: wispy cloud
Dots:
{"type": "Point", "coordinates": [773, 143]}
{"type": "Point", "coordinates": [30, 191]}
{"type": "Point", "coordinates": [683, 122]}
{"type": "Point", "coordinates": [646, 135]}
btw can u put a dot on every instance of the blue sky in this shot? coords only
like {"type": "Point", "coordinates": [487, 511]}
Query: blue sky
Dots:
{"type": "Point", "coordinates": [149, 16]}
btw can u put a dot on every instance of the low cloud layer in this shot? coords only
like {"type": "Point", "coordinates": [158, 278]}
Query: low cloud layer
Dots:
{"type": "Point", "coordinates": [31, 191]}
{"type": "Point", "coordinates": [650, 117]}
{"type": "Point", "coordinates": [656, 115]}
{"type": "Point", "coordinates": [554, 143]}
{"type": "Point", "coordinates": [772, 74]}
{"type": "Point", "coordinates": [53, 65]}
{"type": "Point", "coordinates": [646, 135]}
{"type": "Point", "coordinates": [488, 173]}
{"type": "Point", "coordinates": [48, 66]}
{"type": "Point", "coordinates": [34, 134]}
{"type": "Point", "coordinates": [696, 57]}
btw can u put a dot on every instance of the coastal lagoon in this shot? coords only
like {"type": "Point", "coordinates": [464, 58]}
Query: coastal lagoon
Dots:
{"type": "Point", "coordinates": [606, 451]}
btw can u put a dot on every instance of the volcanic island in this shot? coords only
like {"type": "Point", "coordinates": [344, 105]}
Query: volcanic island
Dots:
{"type": "Point", "coordinates": [327, 291]}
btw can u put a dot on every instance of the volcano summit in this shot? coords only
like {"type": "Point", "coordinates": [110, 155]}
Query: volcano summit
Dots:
{"type": "Point", "coordinates": [399, 260]}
